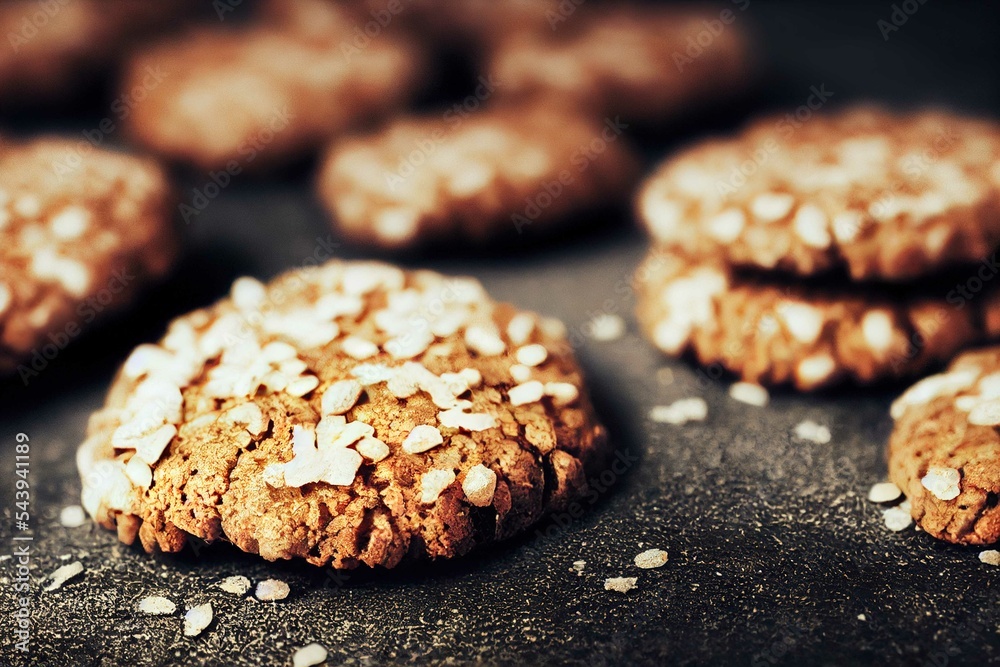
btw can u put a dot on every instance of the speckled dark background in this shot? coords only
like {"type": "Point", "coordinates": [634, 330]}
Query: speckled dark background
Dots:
{"type": "Point", "coordinates": [774, 553]}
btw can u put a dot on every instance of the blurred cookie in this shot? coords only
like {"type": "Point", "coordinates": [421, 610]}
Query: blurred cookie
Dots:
{"type": "Point", "coordinates": [349, 413]}
{"type": "Point", "coordinates": [56, 48]}
{"type": "Point", "coordinates": [632, 61]}
{"type": "Point", "coordinates": [474, 176]}
{"type": "Point", "coordinates": [775, 331]}
{"type": "Point", "coordinates": [880, 194]}
{"type": "Point", "coordinates": [80, 233]}
{"type": "Point", "coordinates": [262, 96]}
{"type": "Point", "coordinates": [944, 452]}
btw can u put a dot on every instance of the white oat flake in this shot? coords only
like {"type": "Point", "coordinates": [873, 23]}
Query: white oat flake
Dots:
{"type": "Point", "coordinates": [606, 327]}
{"type": "Point", "coordinates": [236, 584]}
{"type": "Point", "coordinates": [620, 584]}
{"type": "Point", "coordinates": [63, 574]}
{"type": "Point", "coordinates": [309, 655]}
{"type": "Point", "coordinates": [942, 482]}
{"type": "Point", "coordinates": [651, 558]}
{"type": "Point", "coordinates": [990, 557]}
{"type": "Point", "coordinates": [156, 605]}
{"type": "Point", "coordinates": [749, 393]}
{"type": "Point", "coordinates": [884, 492]}
{"type": "Point", "coordinates": [272, 589]}
{"type": "Point", "coordinates": [197, 619]}
{"type": "Point", "coordinates": [72, 516]}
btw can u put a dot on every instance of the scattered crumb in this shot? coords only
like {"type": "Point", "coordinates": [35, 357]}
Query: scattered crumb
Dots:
{"type": "Point", "coordinates": [680, 412]}
{"type": "Point", "coordinates": [156, 605]}
{"type": "Point", "coordinates": [272, 589]}
{"type": "Point", "coordinates": [813, 432]}
{"type": "Point", "coordinates": [620, 584]}
{"type": "Point", "coordinates": [897, 518]}
{"type": "Point", "coordinates": [197, 619]}
{"type": "Point", "coordinates": [237, 585]}
{"type": "Point", "coordinates": [884, 492]}
{"type": "Point", "coordinates": [651, 558]}
{"type": "Point", "coordinates": [944, 483]}
{"type": "Point", "coordinates": [862, 617]}
{"type": "Point", "coordinates": [665, 376]}
{"type": "Point", "coordinates": [606, 327]}
{"type": "Point", "coordinates": [749, 393]}
{"type": "Point", "coordinates": [990, 557]}
{"type": "Point", "coordinates": [578, 566]}
{"type": "Point", "coordinates": [72, 516]}
{"type": "Point", "coordinates": [309, 655]}
{"type": "Point", "coordinates": [64, 574]}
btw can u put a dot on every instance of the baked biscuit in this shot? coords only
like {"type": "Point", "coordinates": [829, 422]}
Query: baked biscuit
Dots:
{"type": "Point", "coordinates": [630, 61]}
{"type": "Point", "coordinates": [474, 177]}
{"type": "Point", "coordinates": [774, 331]}
{"type": "Point", "coordinates": [877, 194]}
{"type": "Point", "coordinates": [944, 452]}
{"type": "Point", "coordinates": [345, 414]}
{"type": "Point", "coordinates": [262, 96]}
{"type": "Point", "coordinates": [80, 233]}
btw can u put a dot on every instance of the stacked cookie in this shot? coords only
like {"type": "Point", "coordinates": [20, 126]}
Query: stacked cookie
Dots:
{"type": "Point", "coordinates": [852, 246]}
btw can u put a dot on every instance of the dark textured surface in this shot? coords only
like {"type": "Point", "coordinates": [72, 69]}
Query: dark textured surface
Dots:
{"type": "Point", "coordinates": [773, 550]}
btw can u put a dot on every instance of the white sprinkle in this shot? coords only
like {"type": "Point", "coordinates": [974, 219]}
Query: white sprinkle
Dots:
{"type": "Point", "coordinates": [942, 482]}
{"type": "Point", "coordinates": [72, 516]}
{"type": "Point", "coordinates": [358, 348]}
{"type": "Point", "coordinates": [272, 589]}
{"type": "Point", "coordinates": [236, 584]}
{"type": "Point", "coordinates": [620, 584]}
{"type": "Point", "coordinates": [341, 397]}
{"type": "Point", "coordinates": [606, 327]}
{"type": "Point", "coordinates": [197, 619]}
{"type": "Point", "coordinates": [520, 328]}
{"type": "Point", "coordinates": [680, 412]}
{"type": "Point", "coordinates": [749, 393]}
{"type": "Point", "coordinates": [469, 421]}
{"type": "Point", "coordinates": [862, 617]}
{"type": "Point", "coordinates": [372, 449]}
{"type": "Point", "coordinates": [484, 341]}
{"type": "Point", "coordinates": [432, 483]}
{"type": "Point", "coordinates": [529, 392]}
{"type": "Point", "coordinates": [651, 558]}
{"type": "Point", "coordinates": [520, 373]}
{"type": "Point", "coordinates": [156, 605]}
{"type": "Point", "coordinates": [479, 485]}
{"type": "Point", "coordinates": [301, 386]}
{"type": "Point", "coordinates": [64, 574]}
{"type": "Point", "coordinates": [562, 393]}
{"type": "Point", "coordinates": [70, 223]}
{"type": "Point", "coordinates": [532, 355]}
{"type": "Point", "coordinates": [813, 432]}
{"type": "Point", "coordinates": [884, 492]}
{"type": "Point", "coordinates": [985, 413]}
{"type": "Point", "coordinates": [309, 655]}
{"type": "Point", "coordinates": [421, 439]}
{"type": "Point", "coordinates": [990, 557]}
{"type": "Point", "coordinates": [897, 519]}
{"type": "Point", "coordinates": [772, 206]}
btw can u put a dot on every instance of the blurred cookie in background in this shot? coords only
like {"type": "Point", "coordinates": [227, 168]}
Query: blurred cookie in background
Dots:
{"type": "Point", "coordinates": [878, 194]}
{"type": "Point", "coordinates": [262, 95]}
{"type": "Point", "coordinates": [474, 177]}
{"type": "Point", "coordinates": [56, 49]}
{"type": "Point", "coordinates": [774, 330]}
{"type": "Point", "coordinates": [643, 63]}
{"type": "Point", "coordinates": [80, 233]}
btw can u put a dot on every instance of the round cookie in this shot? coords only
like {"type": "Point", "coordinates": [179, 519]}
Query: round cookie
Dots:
{"type": "Point", "coordinates": [345, 414]}
{"type": "Point", "coordinates": [791, 332]}
{"type": "Point", "coordinates": [262, 96]}
{"type": "Point", "coordinates": [630, 60]}
{"type": "Point", "coordinates": [473, 176]}
{"type": "Point", "coordinates": [944, 452]}
{"type": "Point", "coordinates": [876, 194]}
{"type": "Point", "coordinates": [81, 230]}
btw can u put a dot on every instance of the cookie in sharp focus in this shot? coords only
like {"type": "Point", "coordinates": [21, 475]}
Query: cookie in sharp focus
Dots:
{"type": "Point", "coordinates": [637, 62]}
{"type": "Point", "coordinates": [876, 194]}
{"type": "Point", "coordinates": [944, 451]}
{"type": "Point", "coordinates": [345, 414]}
{"type": "Point", "coordinates": [261, 96]}
{"type": "Point", "coordinates": [474, 176]}
{"type": "Point", "coordinates": [810, 334]}
{"type": "Point", "coordinates": [81, 231]}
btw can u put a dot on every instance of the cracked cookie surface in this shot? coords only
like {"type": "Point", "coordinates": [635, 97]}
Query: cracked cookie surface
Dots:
{"type": "Point", "coordinates": [785, 331]}
{"type": "Point", "coordinates": [876, 194]}
{"type": "Point", "coordinates": [944, 452]}
{"type": "Point", "coordinates": [345, 414]}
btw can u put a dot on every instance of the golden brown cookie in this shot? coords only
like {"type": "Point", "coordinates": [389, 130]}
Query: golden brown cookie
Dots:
{"type": "Point", "coordinates": [944, 452]}
{"type": "Point", "coordinates": [878, 194]}
{"type": "Point", "coordinates": [774, 331]}
{"type": "Point", "coordinates": [645, 64]}
{"type": "Point", "coordinates": [349, 413]}
{"type": "Point", "coordinates": [474, 176]}
{"type": "Point", "coordinates": [81, 230]}
{"type": "Point", "coordinates": [262, 96]}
